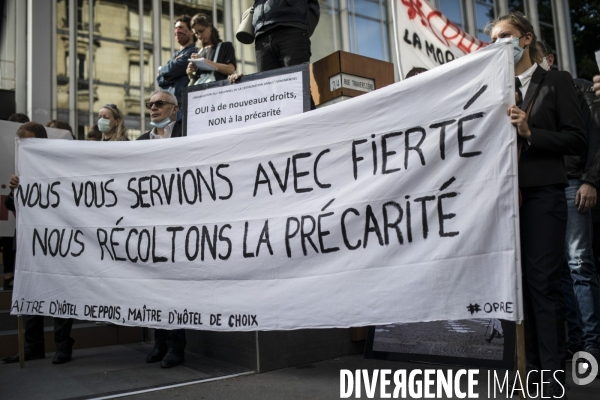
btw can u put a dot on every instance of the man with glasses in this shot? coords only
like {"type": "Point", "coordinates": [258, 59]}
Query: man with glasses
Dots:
{"type": "Point", "coordinates": [169, 346]}
{"type": "Point", "coordinates": [163, 116]}
{"type": "Point", "coordinates": [172, 76]}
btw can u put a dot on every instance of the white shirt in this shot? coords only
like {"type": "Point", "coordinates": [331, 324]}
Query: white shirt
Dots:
{"type": "Point", "coordinates": [167, 131]}
{"type": "Point", "coordinates": [525, 79]}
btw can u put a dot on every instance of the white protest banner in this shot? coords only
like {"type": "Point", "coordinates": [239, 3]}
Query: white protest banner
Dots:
{"type": "Point", "coordinates": [8, 132]}
{"type": "Point", "coordinates": [400, 205]}
{"type": "Point", "coordinates": [426, 38]}
{"type": "Point", "coordinates": [244, 104]}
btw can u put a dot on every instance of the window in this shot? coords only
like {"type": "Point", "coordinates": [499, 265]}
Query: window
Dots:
{"type": "Point", "coordinates": [328, 31]}
{"type": "Point", "coordinates": [134, 74]}
{"type": "Point", "coordinates": [547, 30]}
{"type": "Point", "coordinates": [368, 28]}
{"type": "Point", "coordinates": [133, 30]}
{"type": "Point", "coordinates": [516, 5]}
{"type": "Point", "coordinates": [81, 69]}
{"type": "Point", "coordinates": [79, 15]}
{"type": "Point", "coordinates": [484, 13]}
{"type": "Point", "coordinates": [452, 9]}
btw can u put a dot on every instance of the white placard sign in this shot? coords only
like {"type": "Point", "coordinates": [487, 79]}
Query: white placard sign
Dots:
{"type": "Point", "coordinates": [244, 104]}
{"type": "Point", "coordinates": [398, 205]}
{"type": "Point", "coordinates": [8, 132]}
{"type": "Point", "coordinates": [426, 38]}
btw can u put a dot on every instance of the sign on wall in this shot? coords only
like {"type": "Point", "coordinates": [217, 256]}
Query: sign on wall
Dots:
{"type": "Point", "coordinates": [349, 81]}
{"type": "Point", "coordinates": [400, 205]}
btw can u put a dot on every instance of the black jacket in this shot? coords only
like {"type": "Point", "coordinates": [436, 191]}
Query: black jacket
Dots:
{"type": "Point", "coordinates": [557, 129]}
{"type": "Point", "coordinates": [9, 201]}
{"type": "Point", "coordinates": [177, 128]}
{"type": "Point", "coordinates": [299, 13]}
{"type": "Point", "coordinates": [586, 166]}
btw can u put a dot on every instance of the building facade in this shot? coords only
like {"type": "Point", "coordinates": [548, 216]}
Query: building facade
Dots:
{"type": "Point", "coordinates": [64, 59]}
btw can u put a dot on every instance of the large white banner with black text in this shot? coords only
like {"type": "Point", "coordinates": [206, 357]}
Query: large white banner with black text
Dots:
{"type": "Point", "coordinates": [400, 205]}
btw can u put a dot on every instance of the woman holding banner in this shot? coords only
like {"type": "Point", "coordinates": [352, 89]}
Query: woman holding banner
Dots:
{"type": "Point", "coordinates": [219, 55]}
{"type": "Point", "coordinates": [549, 124]}
{"type": "Point", "coordinates": [34, 324]}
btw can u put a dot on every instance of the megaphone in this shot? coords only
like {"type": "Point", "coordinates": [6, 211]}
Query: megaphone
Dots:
{"type": "Point", "coordinates": [245, 32]}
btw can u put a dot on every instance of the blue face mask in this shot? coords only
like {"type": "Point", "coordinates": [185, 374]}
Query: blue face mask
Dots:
{"type": "Point", "coordinates": [104, 125]}
{"type": "Point", "coordinates": [517, 50]}
{"type": "Point", "coordinates": [161, 124]}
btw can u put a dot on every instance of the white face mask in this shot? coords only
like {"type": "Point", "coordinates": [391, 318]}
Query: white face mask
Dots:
{"type": "Point", "coordinates": [104, 125]}
{"type": "Point", "coordinates": [161, 124]}
{"type": "Point", "coordinates": [517, 50]}
{"type": "Point", "coordinates": [545, 64]}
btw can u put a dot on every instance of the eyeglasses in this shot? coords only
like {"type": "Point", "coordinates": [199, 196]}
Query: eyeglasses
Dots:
{"type": "Point", "coordinates": [158, 104]}
{"type": "Point", "coordinates": [111, 106]}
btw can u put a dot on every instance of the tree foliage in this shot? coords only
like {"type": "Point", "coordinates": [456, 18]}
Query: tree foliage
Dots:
{"type": "Point", "coordinates": [585, 21]}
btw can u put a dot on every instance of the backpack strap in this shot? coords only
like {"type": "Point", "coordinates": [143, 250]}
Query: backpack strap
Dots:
{"type": "Point", "coordinates": [216, 57]}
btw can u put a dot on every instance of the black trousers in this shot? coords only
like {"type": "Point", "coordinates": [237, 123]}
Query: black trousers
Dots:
{"type": "Point", "coordinates": [282, 46]}
{"type": "Point", "coordinates": [8, 254]}
{"type": "Point", "coordinates": [174, 339]}
{"type": "Point", "coordinates": [34, 334]}
{"type": "Point", "coordinates": [543, 229]}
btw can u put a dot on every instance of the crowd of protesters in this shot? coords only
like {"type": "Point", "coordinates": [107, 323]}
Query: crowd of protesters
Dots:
{"type": "Point", "coordinates": [558, 125]}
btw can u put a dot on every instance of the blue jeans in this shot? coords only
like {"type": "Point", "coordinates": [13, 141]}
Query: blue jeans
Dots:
{"type": "Point", "coordinates": [580, 281]}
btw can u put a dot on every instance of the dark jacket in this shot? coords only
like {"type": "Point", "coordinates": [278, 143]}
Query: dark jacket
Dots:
{"type": "Point", "coordinates": [586, 166]}
{"type": "Point", "coordinates": [557, 129]}
{"type": "Point", "coordinates": [297, 13]}
{"type": "Point", "coordinates": [176, 132]}
{"type": "Point", "coordinates": [172, 76]}
{"type": "Point", "coordinates": [9, 201]}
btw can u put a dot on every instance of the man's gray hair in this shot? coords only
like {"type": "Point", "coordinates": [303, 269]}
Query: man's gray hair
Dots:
{"type": "Point", "coordinates": [172, 97]}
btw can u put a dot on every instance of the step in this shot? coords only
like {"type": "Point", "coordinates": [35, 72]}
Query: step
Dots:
{"type": "Point", "coordinates": [86, 335]}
